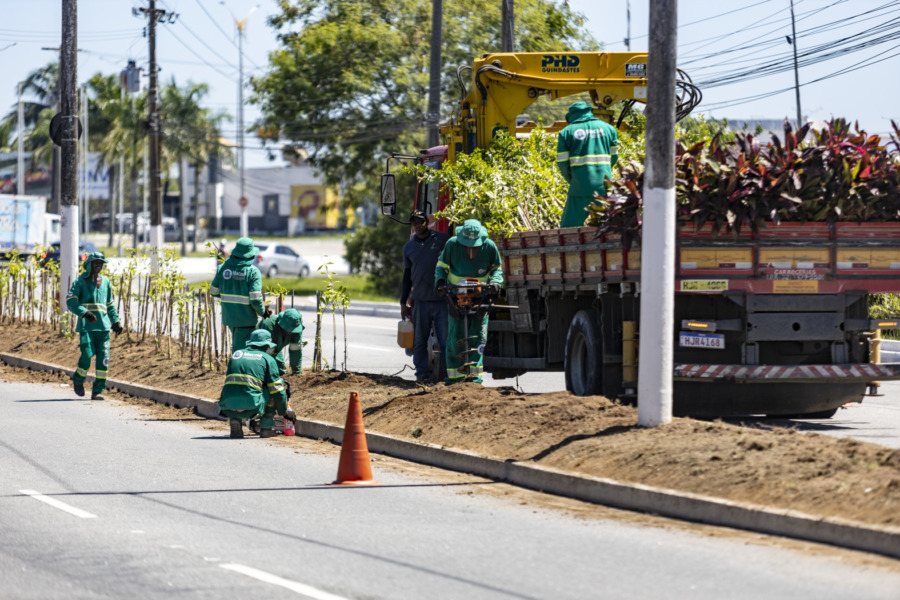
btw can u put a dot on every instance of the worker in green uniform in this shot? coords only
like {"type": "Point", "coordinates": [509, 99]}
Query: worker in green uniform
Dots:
{"type": "Point", "coordinates": [90, 299]}
{"type": "Point", "coordinates": [468, 255]}
{"type": "Point", "coordinates": [286, 328]}
{"type": "Point", "coordinates": [585, 154]}
{"type": "Point", "coordinates": [238, 284]}
{"type": "Point", "coordinates": [251, 373]}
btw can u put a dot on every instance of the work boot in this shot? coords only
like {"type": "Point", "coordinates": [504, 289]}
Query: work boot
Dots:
{"type": "Point", "coordinates": [253, 425]}
{"type": "Point", "coordinates": [237, 428]}
{"type": "Point", "coordinates": [97, 396]}
{"type": "Point", "coordinates": [267, 432]}
{"type": "Point", "coordinates": [79, 389]}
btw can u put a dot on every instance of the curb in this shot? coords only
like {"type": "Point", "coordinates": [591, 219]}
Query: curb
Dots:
{"type": "Point", "coordinates": [634, 497]}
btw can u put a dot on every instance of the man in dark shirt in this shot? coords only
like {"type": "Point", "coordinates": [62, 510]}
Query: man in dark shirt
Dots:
{"type": "Point", "coordinates": [420, 255]}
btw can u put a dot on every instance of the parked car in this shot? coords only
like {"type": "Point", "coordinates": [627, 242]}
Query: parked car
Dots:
{"type": "Point", "coordinates": [280, 259]}
{"type": "Point", "coordinates": [84, 248]}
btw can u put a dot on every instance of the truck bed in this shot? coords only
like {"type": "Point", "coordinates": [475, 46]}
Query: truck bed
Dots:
{"type": "Point", "coordinates": [791, 258]}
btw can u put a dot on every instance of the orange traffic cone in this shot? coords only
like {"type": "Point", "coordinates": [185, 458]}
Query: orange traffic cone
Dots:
{"type": "Point", "coordinates": [354, 467]}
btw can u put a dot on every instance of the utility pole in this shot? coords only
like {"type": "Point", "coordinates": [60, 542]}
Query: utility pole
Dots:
{"type": "Point", "coordinates": [628, 24]}
{"type": "Point", "coordinates": [658, 237]}
{"type": "Point", "coordinates": [507, 28]}
{"type": "Point", "coordinates": [156, 209]}
{"type": "Point", "coordinates": [241, 24]}
{"type": "Point", "coordinates": [793, 42]}
{"type": "Point", "coordinates": [434, 84]}
{"type": "Point", "coordinates": [68, 138]}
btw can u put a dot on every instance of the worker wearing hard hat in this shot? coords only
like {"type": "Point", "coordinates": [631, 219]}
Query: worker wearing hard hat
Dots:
{"type": "Point", "coordinates": [585, 154]}
{"type": "Point", "coordinates": [469, 255]}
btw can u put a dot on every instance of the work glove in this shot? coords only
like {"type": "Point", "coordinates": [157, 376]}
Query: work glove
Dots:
{"type": "Point", "coordinates": [117, 328]}
{"type": "Point", "coordinates": [405, 312]}
{"type": "Point", "coordinates": [287, 389]}
{"type": "Point", "coordinates": [267, 313]}
{"type": "Point", "coordinates": [493, 289]}
{"type": "Point", "coordinates": [441, 287]}
{"type": "Point", "coordinates": [289, 416]}
{"type": "Point", "coordinates": [90, 317]}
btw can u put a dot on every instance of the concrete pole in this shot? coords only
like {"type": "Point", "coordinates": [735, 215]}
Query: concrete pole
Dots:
{"type": "Point", "coordinates": [796, 69]}
{"type": "Point", "coordinates": [68, 76]}
{"type": "Point", "coordinates": [658, 238]}
{"type": "Point", "coordinates": [434, 86]}
{"type": "Point", "coordinates": [85, 163]}
{"type": "Point", "coordinates": [20, 146]}
{"type": "Point", "coordinates": [245, 226]}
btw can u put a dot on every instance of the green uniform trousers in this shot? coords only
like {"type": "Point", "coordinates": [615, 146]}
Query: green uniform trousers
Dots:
{"type": "Point", "coordinates": [93, 343]}
{"type": "Point", "coordinates": [457, 357]}
{"type": "Point", "coordinates": [266, 420]}
{"type": "Point", "coordinates": [240, 336]}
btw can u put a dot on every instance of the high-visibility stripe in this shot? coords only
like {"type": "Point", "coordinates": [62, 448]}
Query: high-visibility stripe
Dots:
{"type": "Point", "coordinates": [101, 374]}
{"type": "Point", "coordinates": [95, 308]}
{"type": "Point", "coordinates": [562, 156]}
{"type": "Point", "coordinates": [238, 378]}
{"type": "Point", "coordinates": [213, 291]}
{"type": "Point", "coordinates": [454, 374]}
{"type": "Point", "coordinates": [457, 278]}
{"type": "Point", "coordinates": [295, 347]}
{"type": "Point", "coordinates": [441, 264]}
{"type": "Point", "coordinates": [276, 387]}
{"type": "Point", "coordinates": [591, 159]}
{"type": "Point", "coordinates": [81, 372]}
{"type": "Point", "coordinates": [255, 295]}
{"type": "Point", "coordinates": [235, 299]}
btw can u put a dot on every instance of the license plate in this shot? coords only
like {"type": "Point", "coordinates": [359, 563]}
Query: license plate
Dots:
{"type": "Point", "coordinates": [689, 339]}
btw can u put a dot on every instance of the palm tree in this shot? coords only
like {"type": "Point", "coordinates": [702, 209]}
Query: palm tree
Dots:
{"type": "Point", "coordinates": [188, 132]}
{"type": "Point", "coordinates": [117, 131]}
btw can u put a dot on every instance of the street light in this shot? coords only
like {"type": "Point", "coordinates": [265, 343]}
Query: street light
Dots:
{"type": "Point", "coordinates": [241, 23]}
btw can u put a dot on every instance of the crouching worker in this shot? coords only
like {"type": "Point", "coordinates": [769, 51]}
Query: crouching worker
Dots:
{"type": "Point", "coordinates": [90, 299]}
{"type": "Point", "coordinates": [252, 373]}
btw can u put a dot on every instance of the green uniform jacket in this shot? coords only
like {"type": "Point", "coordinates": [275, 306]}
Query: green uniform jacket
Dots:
{"type": "Point", "coordinates": [239, 286]}
{"type": "Point", "coordinates": [454, 264]}
{"type": "Point", "coordinates": [586, 152]}
{"type": "Point", "coordinates": [250, 371]}
{"type": "Point", "coordinates": [85, 296]}
{"type": "Point", "coordinates": [281, 339]}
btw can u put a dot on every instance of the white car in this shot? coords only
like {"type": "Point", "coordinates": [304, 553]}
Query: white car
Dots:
{"type": "Point", "coordinates": [280, 259]}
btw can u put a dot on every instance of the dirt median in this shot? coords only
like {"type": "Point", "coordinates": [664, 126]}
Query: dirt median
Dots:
{"type": "Point", "coordinates": [779, 468]}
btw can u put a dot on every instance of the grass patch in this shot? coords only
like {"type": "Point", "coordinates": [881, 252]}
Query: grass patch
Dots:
{"type": "Point", "coordinates": [358, 287]}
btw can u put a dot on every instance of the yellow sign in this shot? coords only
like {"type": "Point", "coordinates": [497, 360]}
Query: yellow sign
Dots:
{"type": "Point", "coordinates": [704, 285]}
{"type": "Point", "coordinates": [795, 286]}
{"type": "Point", "coordinates": [319, 207]}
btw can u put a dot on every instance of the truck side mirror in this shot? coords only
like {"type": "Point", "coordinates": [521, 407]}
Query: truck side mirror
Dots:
{"type": "Point", "coordinates": [388, 195]}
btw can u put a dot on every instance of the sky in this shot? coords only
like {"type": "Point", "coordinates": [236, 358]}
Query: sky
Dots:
{"type": "Point", "coordinates": [737, 52]}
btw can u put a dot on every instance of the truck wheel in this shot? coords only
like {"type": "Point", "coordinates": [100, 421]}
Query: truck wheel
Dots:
{"type": "Point", "coordinates": [584, 355]}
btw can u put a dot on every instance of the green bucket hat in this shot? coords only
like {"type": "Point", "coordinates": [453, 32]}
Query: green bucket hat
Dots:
{"type": "Point", "coordinates": [244, 248]}
{"type": "Point", "coordinates": [471, 234]}
{"type": "Point", "coordinates": [290, 321]}
{"type": "Point", "coordinates": [260, 338]}
{"type": "Point", "coordinates": [96, 256]}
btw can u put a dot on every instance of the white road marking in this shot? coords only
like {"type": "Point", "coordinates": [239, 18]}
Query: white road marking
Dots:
{"type": "Point", "coordinates": [285, 583]}
{"type": "Point", "coordinates": [57, 504]}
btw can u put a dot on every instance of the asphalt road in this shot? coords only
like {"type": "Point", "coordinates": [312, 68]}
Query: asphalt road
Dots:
{"type": "Point", "coordinates": [98, 501]}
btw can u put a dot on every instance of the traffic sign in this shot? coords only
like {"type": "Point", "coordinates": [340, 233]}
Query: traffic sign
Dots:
{"type": "Point", "coordinates": [243, 202]}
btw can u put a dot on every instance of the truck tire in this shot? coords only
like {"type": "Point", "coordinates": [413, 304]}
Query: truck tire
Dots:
{"type": "Point", "coordinates": [584, 355]}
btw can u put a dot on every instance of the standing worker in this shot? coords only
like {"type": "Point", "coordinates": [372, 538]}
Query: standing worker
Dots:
{"type": "Point", "coordinates": [585, 154]}
{"type": "Point", "coordinates": [91, 299]}
{"type": "Point", "coordinates": [468, 255]}
{"type": "Point", "coordinates": [238, 283]}
{"type": "Point", "coordinates": [286, 329]}
{"type": "Point", "coordinates": [420, 256]}
{"type": "Point", "coordinates": [251, 373]}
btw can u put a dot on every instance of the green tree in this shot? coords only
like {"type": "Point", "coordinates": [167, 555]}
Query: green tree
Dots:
{"type": "Point", "coordinates": [349, 85]}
